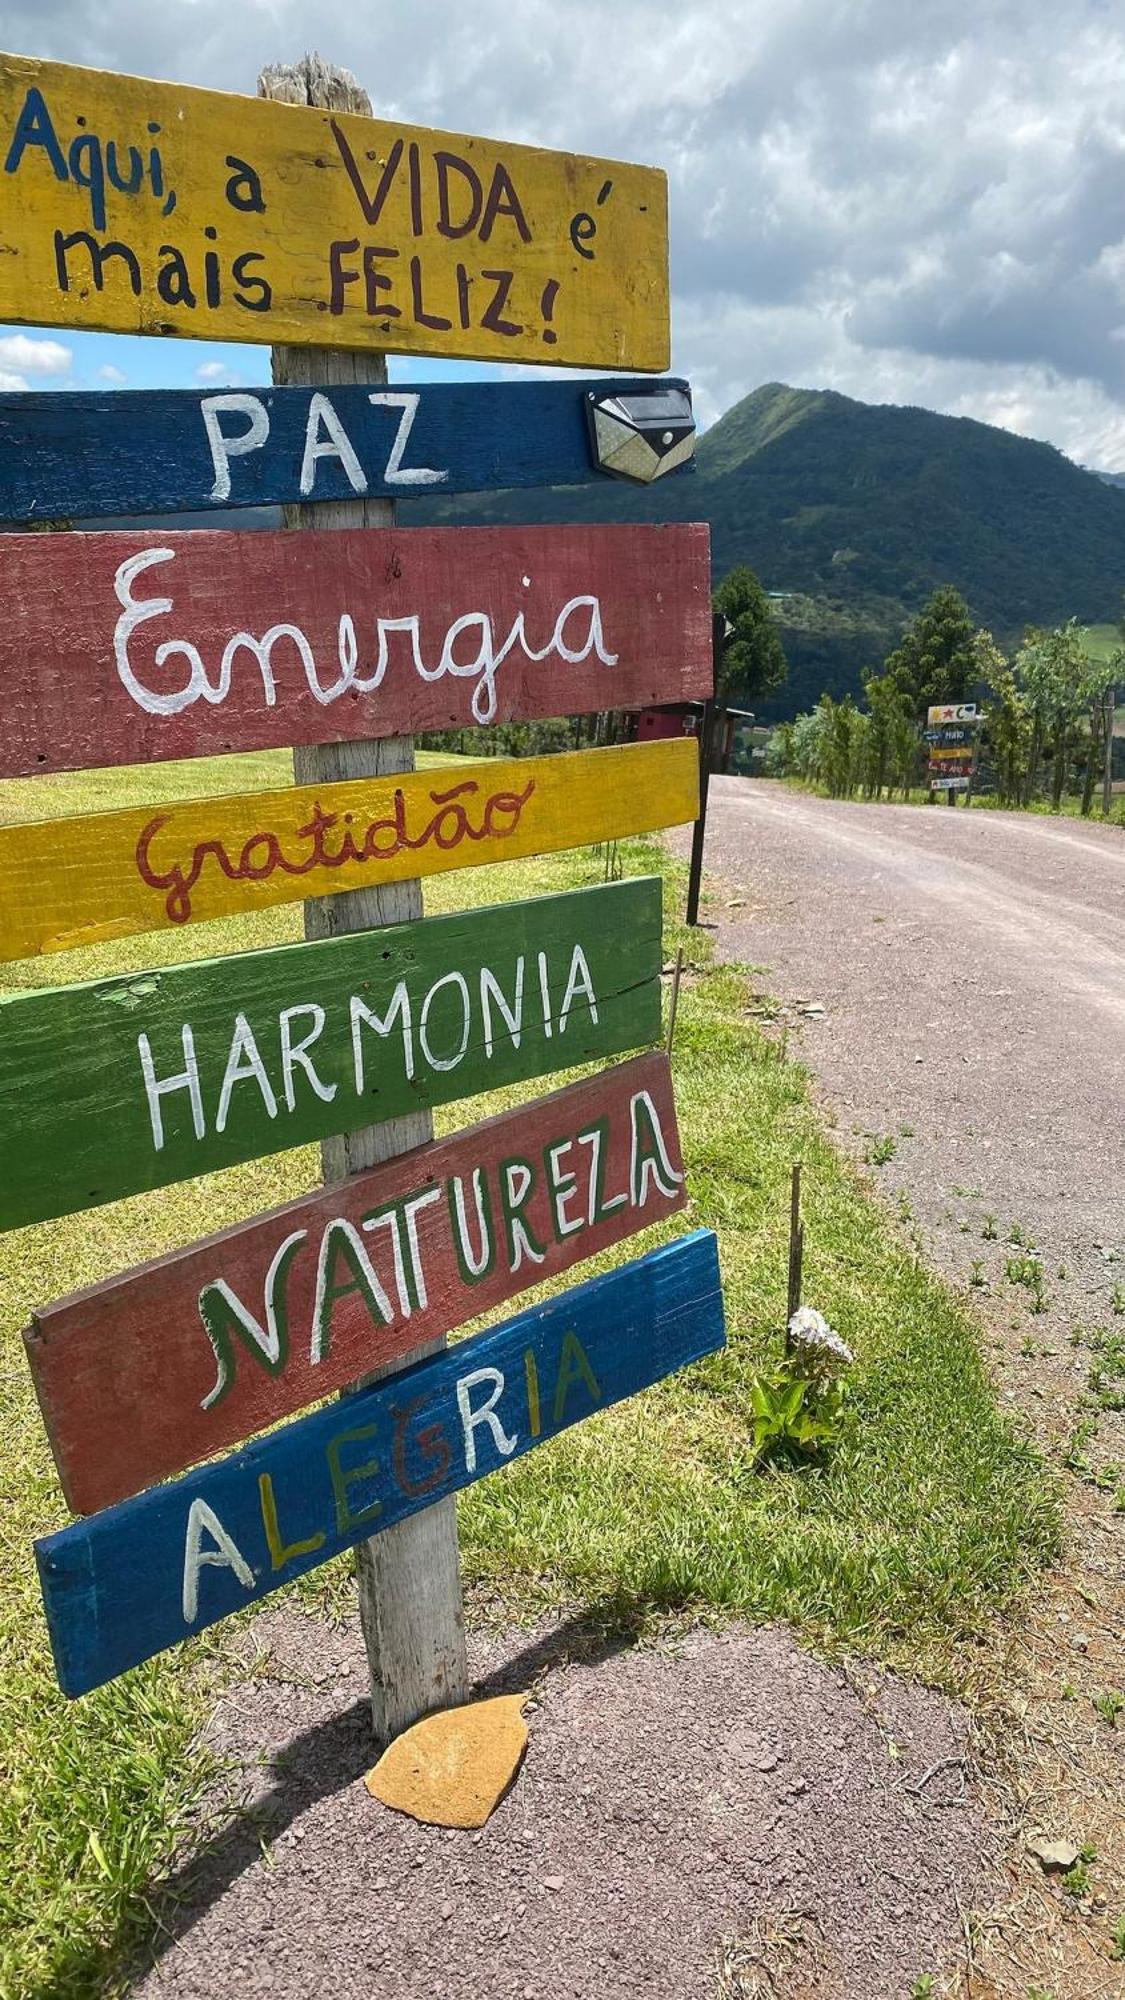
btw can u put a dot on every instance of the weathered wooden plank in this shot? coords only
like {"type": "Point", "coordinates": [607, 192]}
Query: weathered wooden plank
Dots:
{"type": "Point", "coordinates": [129, 1582]}
{"type": "Point", "coordinates": [229, 218]}
{"type": "Point", "coordinates": [78, 880]}
{"type": "Point", "coordinates": [122, 649]}
{"type": "Point", "coordinates": [122, 1084]}
{"type": "Point", "coordinates": [68, 455]}
{"type": "Point", "coordinates": [181, 1357]}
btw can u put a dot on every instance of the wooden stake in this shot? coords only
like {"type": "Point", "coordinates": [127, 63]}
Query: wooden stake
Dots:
{"type": "Point", "coordinates": [676, 976]}
{"type": "Point", "coordinates": [796, 1246]}
{"type": "Point", "coordinates": [409, 1577]}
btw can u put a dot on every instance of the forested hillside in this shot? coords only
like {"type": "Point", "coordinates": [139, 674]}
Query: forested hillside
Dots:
{"type": "Point", "coordinates": [855, 512]}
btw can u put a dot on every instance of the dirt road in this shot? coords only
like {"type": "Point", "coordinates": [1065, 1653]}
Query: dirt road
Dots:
{"type": "Point", "coordinates": [972, 971]}
{"type": "Point", "coordinates": [971, 1048]}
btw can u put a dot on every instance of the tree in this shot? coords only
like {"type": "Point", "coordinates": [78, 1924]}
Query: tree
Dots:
{"type": "Point", "coordinates": [1009, 718]}
{"type": "Point", "coordinates": [1062, 685]}
{"type": "Point", "coordinates": [753, 659]}
{"type": "Point", "coordinates": [934, 661]}
{"type": "Point", "coordinates": [889, 715]}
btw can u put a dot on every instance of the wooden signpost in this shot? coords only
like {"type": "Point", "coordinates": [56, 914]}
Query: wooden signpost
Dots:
{"type": "Point", "coordinates": [951, 734]}
{"type": "Point", "coordinates": [141, 1576]}
{"type": "Point", "coordinates": [77, 880]}
{"type": "Point", "coordinates": [145, 207]}
{"type": "Point", "coordinates": [148, 207]}
{"type": "Point", "coordinates": [156, 451]}
{"type": "Point", "coordinates": [123, 649]}
{"type": "Point", "coordinates": [123, 1084]}
{"type": "Point", "coordinates": [141, 1375]}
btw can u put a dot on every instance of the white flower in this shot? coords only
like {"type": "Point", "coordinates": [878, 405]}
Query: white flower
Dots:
{"type": "Point", "coordinates": [812, 1337]}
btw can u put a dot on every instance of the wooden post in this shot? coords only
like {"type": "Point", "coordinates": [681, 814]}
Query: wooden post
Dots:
{"type": "Point", "coordinates": [1110, 706]}
{"type": "Point", "coordinates": [409, 1576]}
{"type": "Point", "coordinates": [796, 1246]}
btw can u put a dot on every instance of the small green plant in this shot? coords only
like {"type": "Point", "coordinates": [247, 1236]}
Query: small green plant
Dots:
{"type": "Point", "coordinates": [799, 1406]}
{"type": "Point", "coordinates": [1075, 1457]}
{"type": "Point", "coordinates": [1015, 1233]}
{"type": "Point", "coordinates": [1109, 1705]}
{"type": "Point", "coordinates": [880, 1147]}
{"type": "Point", "coordinates": [1024, 1271]}
{"type": "Point", "coordinates": [1062, 1274]}
{"type": "Point", "coordinates": [1117, 1939]}
{"type": "Point", "coordinates": [1069, 1691]}
{"type": "Point", "coordinates": [923, 1987]}
{"type": "Point", "coordinates": [977, 1276]}
{"type": "Point", "coordinates": [1119, 1299]}
{"type": "Point", "coordinates": [990, 1232]}
{"type": "Point", "coordinates": [1027, 1348]}
{"type": "Point", "coordinates": [1076, 1881]}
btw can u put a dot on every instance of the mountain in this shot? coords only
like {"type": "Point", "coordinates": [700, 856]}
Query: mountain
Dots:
{"type": "Point", "coordinates": [852, 513]}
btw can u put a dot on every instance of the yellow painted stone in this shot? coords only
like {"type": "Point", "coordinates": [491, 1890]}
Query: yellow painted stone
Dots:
{"type": "Point", "coordinates": [453, 1768]}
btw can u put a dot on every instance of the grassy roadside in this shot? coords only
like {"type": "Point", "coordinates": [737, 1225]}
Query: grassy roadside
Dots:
{"type": "Point", "coordinates": [931, 1513]}
{"type": "Point", "coordinates": [920, 795]}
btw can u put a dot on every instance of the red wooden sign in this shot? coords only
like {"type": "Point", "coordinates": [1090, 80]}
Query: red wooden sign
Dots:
{"type": "Point", "coordinates": [120, 649]}
{"type": "Point", "coordinates": [143, 1375]}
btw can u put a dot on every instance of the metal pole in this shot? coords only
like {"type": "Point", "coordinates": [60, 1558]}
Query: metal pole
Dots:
{"type": "Point", "coordinates": [706, 726]}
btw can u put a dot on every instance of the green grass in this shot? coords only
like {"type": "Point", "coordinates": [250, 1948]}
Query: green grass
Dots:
{"type": "Point", "coordinates": [930, 1515]}
{"type": "Point", "coordinates": [1100, 642]}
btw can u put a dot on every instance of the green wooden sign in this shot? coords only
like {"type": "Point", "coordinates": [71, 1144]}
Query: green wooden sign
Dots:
{"type": "Point", "coordinates": [118, 1085]}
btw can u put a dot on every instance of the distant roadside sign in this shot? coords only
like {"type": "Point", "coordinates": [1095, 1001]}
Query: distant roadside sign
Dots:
{"type": "Point", "coordinates": [951, 711]}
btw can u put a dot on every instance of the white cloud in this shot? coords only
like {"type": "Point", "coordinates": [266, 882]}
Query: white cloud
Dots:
{"type": "Point", "coordinates": [33, 357]}
{"type": "Point", "coordinates": [10, 384]}
{"type": "Point", "coordinates": [112, 375]}
{"type": "Point", "coordinates": [919, 204]}
{"type": "Point", "coordinates": [216, 371]}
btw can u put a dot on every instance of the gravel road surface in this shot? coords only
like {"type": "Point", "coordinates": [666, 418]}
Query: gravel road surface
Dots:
{"type": "Point", "coordinates": [972, 970]}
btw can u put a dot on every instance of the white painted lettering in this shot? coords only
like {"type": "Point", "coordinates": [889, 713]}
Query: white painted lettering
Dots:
{"type": "Point", "coordinates": [470, 1418]}
{"type": "Point", "coordinates": [578, 981]}
{"type": "Point", "coordinates": [362, 1016]}
{"type": "Point", "coordinates": [187, 1079]}
{"type": "Point", "coordinates": [455, 980]}
{"type": "Point", "coordinates": [396, 473]}
{"type": "Point", "coordinates": [564, 1186]}
{"type": "Point", "coordinates": [296, 1054]}
{"type": "Point", "coordinates": [650, 1159]}
{"type": "Point", "coordinates": [490, 990]}
{"type": "Point", "coordinates": [226, 1554]}
{"type": "Point", "coordinates": [243, 1063]}
{"type": "Point", "coordinates": [224, 448]}
{"type": "Point", "coordinates": [334, 444]}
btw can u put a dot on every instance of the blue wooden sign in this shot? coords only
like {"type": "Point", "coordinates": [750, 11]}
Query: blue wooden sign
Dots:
{"type": "Point", "coordinates": [77, 455]}
{"type": "Point", "coordinates": [137, 1578]}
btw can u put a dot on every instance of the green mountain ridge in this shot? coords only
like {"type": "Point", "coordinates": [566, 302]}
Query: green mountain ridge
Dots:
{"type": "Point", "coordinates": [854, 512]}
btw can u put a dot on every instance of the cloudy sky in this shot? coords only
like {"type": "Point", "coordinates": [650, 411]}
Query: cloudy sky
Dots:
{"type": "Point", "coordinates": [907, 200]}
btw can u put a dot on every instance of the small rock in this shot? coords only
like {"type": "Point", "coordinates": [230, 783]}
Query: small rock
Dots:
{"type": "Point", "coordinates": [812, 1009]}
{"type": "Point", "coordinates": [1056, 1856]}
{"type": "Point", "coordinates": [446, 1912]}
{"type": "Point", "coordinates": [552, 1882]}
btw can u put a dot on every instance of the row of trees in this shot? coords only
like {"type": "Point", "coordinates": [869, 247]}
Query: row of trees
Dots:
{"type": "Point", "coordinates": [1048, 706]}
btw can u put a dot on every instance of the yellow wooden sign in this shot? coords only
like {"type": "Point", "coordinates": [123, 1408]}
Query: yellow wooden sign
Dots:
{"type": "Point", "coordinates": [151, 208]}
{"type": "Point", "coordinates": [78, 881]}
